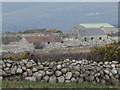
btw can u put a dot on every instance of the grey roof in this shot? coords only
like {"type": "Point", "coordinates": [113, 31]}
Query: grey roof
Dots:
{"type": "Point", "coordinates": [91, 32]}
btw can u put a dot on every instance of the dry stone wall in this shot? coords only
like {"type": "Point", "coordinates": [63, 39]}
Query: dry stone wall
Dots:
{"type": "Point", "coordinates": [76, 71]}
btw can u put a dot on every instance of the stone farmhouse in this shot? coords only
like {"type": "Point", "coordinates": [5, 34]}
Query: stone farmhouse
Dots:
{"type": "Point", "coordinates": [97, 33]}
{"type": "Point", "coordinates": [31, 43]}
{"type": "Point", "coordinates": [92, 36]}
{"type": "Point", "coordinates": [107, 28]}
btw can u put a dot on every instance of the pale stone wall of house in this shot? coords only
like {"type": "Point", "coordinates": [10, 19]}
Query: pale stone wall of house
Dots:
{"type": "Point", "coordinates": [96, 39]}
{"type": "Point", "coordinates": [24, 44]}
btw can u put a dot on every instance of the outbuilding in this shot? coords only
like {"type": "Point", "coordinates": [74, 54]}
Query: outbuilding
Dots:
{"type": "Point", "coordinates": [37, 42]}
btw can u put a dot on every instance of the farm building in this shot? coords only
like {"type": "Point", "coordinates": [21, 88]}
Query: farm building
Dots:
{"type": "Point", "coordinates": [92, 35]}
{"type": "Point", "coordinates": [37, 42]}
{"type": "Point", "coordinates": [107, 28]}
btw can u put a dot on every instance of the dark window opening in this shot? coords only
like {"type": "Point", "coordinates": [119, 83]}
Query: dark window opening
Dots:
{"type": "Point", "coordinates": [48, 42]}
{"type": "Point", "coordinates": [85, 39]}
{"type": "Point", "coordinates": [34, 44]}
{"type": "Point", "coordinates": [100, 38]}
{"type": "Point", "coordinates": [61, 42]}
{"type": "Point", "coordinates": [92, 38]}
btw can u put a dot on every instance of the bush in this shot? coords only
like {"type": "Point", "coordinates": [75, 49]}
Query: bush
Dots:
{"type": "Point", "coordinates": [22, 56]}
{"type": "Point", "coordinates": [15, 57]}
{"type": "Point", "coordinates": [10, 58]}
{"type": "Point", "coordinates": [110, 52]}
{"type": "Point", "coordinates": [54, 31]}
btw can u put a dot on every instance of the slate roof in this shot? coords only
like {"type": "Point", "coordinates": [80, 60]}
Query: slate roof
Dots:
{"type": "Point", "coordinates": [97, 25]}
{"type": "Point", "coordinates": [91, 32]}
{"type": "Point", "coordinates": [42, 39]}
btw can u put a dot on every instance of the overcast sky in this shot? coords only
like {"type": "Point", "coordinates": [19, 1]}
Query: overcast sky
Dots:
{"type": "Point", "coordinates": [56, 15]}
{"type": "Point", "coordinates": [60, 0]}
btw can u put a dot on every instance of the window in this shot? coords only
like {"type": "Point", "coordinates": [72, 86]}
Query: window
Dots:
{"type": "Point", "coordinates": [92, 38]}
{"type": "Point", "coordinates": [48, 42]}
{"type": "Point", "coordinates": [85, 39]}
{"type": "Point", "coordinates": [100, 38]}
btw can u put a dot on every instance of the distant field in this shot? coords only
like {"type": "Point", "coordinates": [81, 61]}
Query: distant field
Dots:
{"type": "Point", "coordinates": [27, 84]}
{"type": "Point", "coordinates": [57, 56]}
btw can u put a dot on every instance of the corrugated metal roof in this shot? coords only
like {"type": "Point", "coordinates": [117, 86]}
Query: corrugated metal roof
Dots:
{"type": "Point", "coordinates": [41, 39]}
{"type": "Point", "coordinates": [96, 25]}
{"type": "Point", "coordinates": [91, 32]}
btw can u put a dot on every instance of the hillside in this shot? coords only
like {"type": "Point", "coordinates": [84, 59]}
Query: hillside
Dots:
{"type": "Point", "coordinates": [36, 31]}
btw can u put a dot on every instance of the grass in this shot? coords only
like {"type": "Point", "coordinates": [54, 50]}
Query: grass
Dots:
{"type": "Point", "coordinates": [28, 84]}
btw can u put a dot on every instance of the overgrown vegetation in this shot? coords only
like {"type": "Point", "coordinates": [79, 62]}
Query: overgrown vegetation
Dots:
{"type": "Point", "coordinates": [25, 32]}
{"type": "Point", "coordinates": [35, 31]}
{"type": "Point", "coordinates": [108, 52]}
{"type": "Point", "coordinates": [10, 58]}
{"type": "Point", "coordinates": [57, 57]}
{"type": "Point", "coordinates": [54, 31]}
{"type": "Point", "coordinates": [32, 31]}
{"type": "Point", "coordinates": [28, 84]}
{"type": "Point", "coordinates": [14, 57]}
{"type": "Point", "coordinates": [44, 56]}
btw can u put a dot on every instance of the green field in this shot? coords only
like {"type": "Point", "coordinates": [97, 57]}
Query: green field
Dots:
{"type": "Point", "coordinates": [27, 84]}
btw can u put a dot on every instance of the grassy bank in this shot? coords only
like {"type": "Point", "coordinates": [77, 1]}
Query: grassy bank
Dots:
{"type": "Point", "coordinates": [27, 84]}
